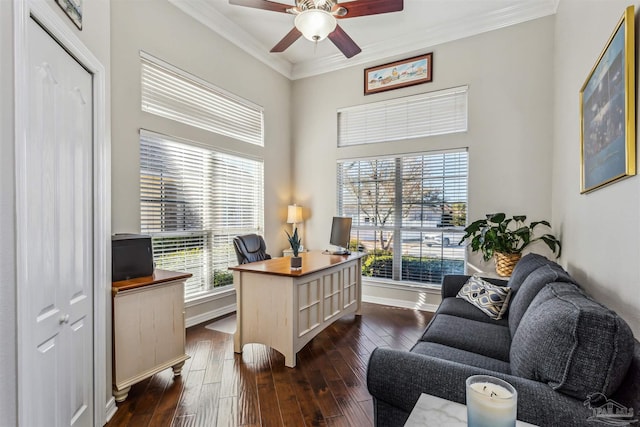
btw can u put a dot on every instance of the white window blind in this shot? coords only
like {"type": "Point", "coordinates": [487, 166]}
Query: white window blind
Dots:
{"type": "Point", "coordinates": [193, 201]}
{"type": "Point", "coordinates": [427, 114]}
{"type": "Point", "coordinates": [408, 213]}
{"type": "Point", "coordinates": [177, 95]}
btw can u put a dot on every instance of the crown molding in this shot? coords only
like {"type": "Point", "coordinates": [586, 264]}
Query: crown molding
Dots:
{"type": "Point", "coordinates": [408, 44]}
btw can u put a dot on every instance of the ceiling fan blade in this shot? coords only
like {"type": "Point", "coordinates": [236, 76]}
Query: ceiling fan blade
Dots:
{"type": "Point", "coordinates": [262, 4]}
{"type": "Point", "coordinates": [370, 7]}
{"type": "Point", "coordinates": [345, 43]}
{"type": "Point", "coordinates": [287, 40]}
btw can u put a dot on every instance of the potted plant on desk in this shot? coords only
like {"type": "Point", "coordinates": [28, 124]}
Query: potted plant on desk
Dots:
{"type": "Point", "coordinates": [505, 238]}
{"type": "Point", "coordinates": [294, 241]}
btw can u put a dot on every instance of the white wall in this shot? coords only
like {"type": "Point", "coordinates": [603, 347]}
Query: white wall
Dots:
{"type": "Point", "coordinates": [162, 30]}
{"type": "Point", "coordinates": [95, 35]}
{"type": "Point", "coordinates": [510, 77]}
{"type": "Point", "coordinates": [600, 230]}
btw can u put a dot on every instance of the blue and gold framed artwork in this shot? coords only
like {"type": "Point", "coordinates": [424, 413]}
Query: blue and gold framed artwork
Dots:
{"type": "Point", "coordinates": [607, 111]}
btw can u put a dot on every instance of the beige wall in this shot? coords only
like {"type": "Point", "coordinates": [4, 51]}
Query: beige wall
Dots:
{"type": "Point", "coordinates": [600, 230]}
{"type": "Point", "coordinates": [510, 78]}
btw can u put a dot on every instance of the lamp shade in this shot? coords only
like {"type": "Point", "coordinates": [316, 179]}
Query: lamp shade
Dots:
{"type": "Point", "coordinates": [315, 24]}
{"type": "Point", "coordinates": [294, 214]}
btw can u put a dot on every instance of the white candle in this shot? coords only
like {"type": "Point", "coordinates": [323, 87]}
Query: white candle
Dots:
{"type": "Point", "coordinates": [491, 402]}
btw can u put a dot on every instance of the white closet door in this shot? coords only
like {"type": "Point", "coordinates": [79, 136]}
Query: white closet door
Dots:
{"type": "Point", "coordinates": [55, 232]}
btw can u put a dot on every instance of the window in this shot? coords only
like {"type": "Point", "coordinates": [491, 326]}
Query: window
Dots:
{"type": "Point", "coordinates": [177, 95]}
{"type": "Point", "coordinates": [408, 213]}
{"type": "Point", "coordinates": [193, 201]}
{"type": "Point", "coordinates": [427, 114]}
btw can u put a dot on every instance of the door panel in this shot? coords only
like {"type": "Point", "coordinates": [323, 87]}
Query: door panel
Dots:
{"type": "Point", "coordinates": [80, 362]}
{"type": "Point", "coordinates": [44, 410]}
{"type": "Point", "coordinates": [57, 205]}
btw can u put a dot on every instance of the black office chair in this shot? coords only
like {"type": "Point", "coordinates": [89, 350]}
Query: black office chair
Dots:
{"type": "Point", "coordinates": [250, 248]}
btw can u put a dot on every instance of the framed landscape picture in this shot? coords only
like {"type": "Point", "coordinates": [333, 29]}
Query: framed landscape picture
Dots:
{"type": "Point", "coordinates": [607, 111]}
{"type": "Point", "coordinates": [394, 75]}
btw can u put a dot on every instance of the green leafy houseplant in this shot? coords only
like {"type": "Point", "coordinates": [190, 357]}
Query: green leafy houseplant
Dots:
{"type": "Point", "coordinates": [498, 234]}
{"type": "Point", "coordinates": [294, 241]}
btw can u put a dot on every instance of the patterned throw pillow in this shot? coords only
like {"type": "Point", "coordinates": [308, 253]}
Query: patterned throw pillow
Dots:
{"type": "Point", "coordinates": [493, 300]}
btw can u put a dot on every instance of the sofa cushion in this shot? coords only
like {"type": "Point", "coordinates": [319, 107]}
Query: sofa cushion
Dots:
{"type": "Point", "coordinates": [487, 339]}
{"type": "Point", "coordinates": [461, 308]}
{"type": "Point", "coordinates": [492, 300]}
{"type": "Point", "coordinates": [527, 264]}
{"type": "Point", "coordinates": [572, 343]}
{"type": "Point", "coordinates": [461, 356]}
{"type": "Point", "coordinates": [535, 281]}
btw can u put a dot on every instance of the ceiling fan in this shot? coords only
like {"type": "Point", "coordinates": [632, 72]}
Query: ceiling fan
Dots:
{"type": "Point", "coordinates": [316, 19]}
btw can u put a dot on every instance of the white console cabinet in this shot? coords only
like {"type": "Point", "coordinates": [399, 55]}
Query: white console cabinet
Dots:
{"type": "Point", "coordinates": [148, 328]}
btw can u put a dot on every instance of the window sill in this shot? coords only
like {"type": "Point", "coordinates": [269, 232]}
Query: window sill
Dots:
{"type": "Point", "coordinates": [406, 295]}
{"type": "Point", "coordinates": [391, 284]}
{"type": "Point", "coordinates": [209, 296]}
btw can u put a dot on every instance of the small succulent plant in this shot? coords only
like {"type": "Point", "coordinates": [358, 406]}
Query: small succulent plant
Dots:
{"type": "Point", "coordinates": [294, 241]}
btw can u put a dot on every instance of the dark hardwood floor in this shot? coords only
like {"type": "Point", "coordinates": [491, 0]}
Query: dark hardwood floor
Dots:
{"type": "Point", "coordinates": [326, 388]}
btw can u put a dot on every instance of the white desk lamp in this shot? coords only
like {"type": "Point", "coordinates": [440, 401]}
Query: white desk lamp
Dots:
{"type": "Point", "coordinates": [294, 216]}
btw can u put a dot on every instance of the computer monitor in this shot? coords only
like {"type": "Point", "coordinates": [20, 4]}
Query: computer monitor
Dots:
{"type": "Point", "coordinates": [341, 234]}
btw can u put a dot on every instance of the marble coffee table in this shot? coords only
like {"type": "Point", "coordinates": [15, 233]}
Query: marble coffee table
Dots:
{"type": "Point", "coordinates": [434, 411]}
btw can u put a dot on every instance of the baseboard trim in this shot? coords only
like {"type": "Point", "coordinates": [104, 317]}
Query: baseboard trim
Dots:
{"type": "Point", "coordinates": [400, 303]}
{"type": "Point", "coordinates": [209, 315]}
{"type": "Point", "coordinates": [110, 409]}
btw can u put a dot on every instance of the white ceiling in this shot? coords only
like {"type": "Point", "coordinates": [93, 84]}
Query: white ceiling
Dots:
{"type": "Point", "coordinates": [420, 26]}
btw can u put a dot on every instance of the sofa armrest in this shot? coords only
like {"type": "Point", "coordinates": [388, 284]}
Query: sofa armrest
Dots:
{"type": "Point", "coordinates": [399, 377]}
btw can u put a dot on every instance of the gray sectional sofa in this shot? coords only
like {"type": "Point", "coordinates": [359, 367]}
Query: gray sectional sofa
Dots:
{"type": "Point", "coordinates": [556, 346]}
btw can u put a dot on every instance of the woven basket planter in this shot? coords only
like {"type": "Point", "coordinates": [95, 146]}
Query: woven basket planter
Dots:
{"type": "Point", "coordinates": [506, 262]}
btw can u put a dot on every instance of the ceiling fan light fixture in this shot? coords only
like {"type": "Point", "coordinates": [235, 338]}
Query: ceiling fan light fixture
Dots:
{"type": "Point", "coordinates": [315, 24]}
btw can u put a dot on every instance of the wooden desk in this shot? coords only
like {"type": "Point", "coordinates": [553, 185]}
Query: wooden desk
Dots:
{"type": "Point", "coordinates": [285, 309]}
{"type": "Point", "coordinates": [148, 328]}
